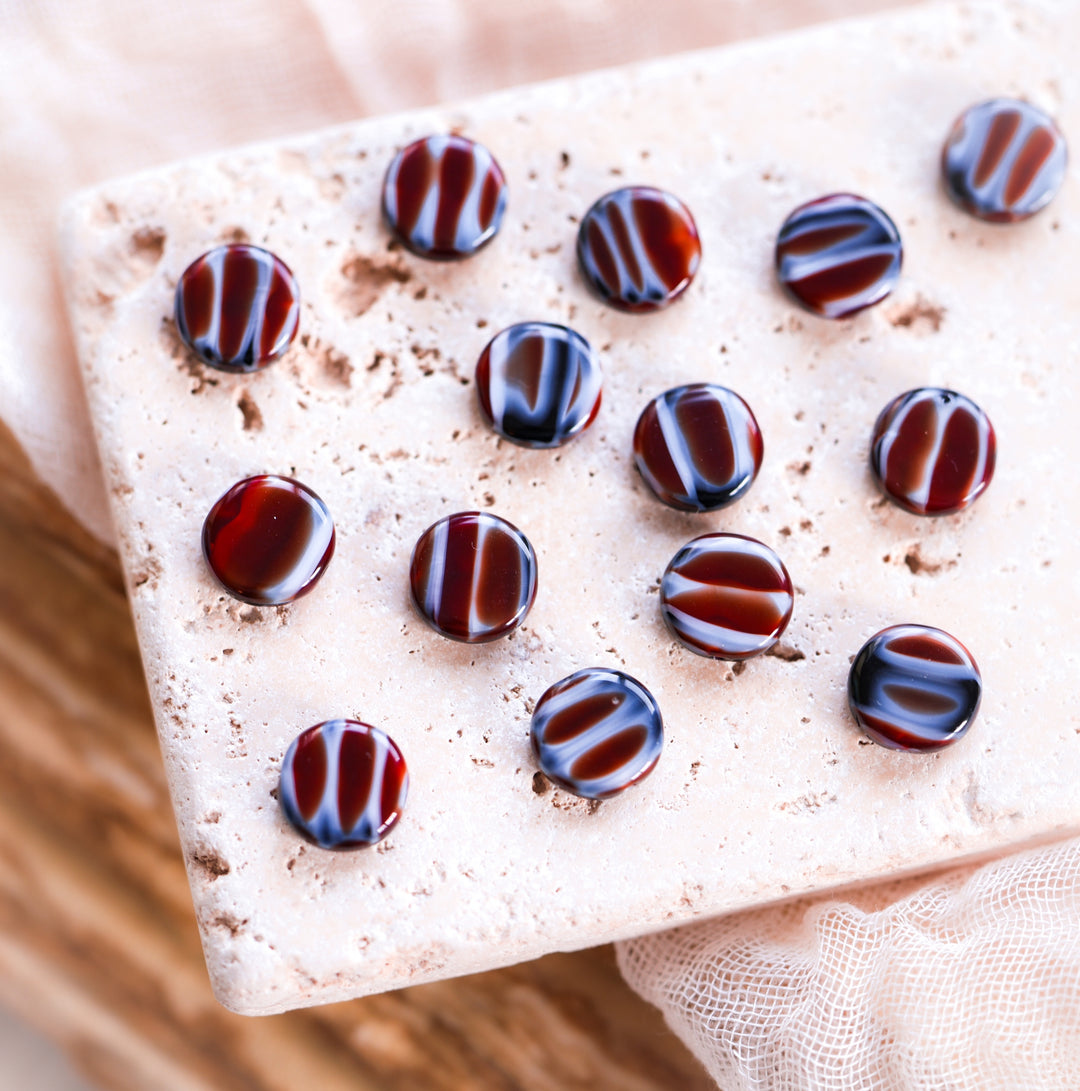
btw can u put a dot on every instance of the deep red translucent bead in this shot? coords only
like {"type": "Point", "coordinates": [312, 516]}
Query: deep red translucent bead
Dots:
{"type": "Point", "coordinates": [343, 784]}
{"type": "Point", "coordinates": [268, 540]}
{"type": "Point", "coordinates": [237, 307]}
{"type": "Point", "coordinates": [473, 576]}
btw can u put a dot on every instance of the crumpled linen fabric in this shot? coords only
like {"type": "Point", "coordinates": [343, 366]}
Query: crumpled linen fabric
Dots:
{"type": "Point", "coordinates": [967, 980]}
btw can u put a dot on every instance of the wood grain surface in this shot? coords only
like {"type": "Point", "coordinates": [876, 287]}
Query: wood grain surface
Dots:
{"type": "Point", "coordinates": [98, 945]}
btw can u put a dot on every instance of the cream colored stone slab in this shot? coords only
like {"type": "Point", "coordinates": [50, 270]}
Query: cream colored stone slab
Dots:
{"type": "Point", "coordinates": [765, 788]}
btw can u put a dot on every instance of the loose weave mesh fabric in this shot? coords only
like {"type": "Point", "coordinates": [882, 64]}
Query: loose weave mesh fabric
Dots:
{"type": "Point", "coordinates": [969, 981]}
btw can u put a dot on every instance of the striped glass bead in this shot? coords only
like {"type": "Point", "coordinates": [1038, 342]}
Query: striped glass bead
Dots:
{"type": "Point", "coordinates": [1004, 160]}
{"type": "Point", "coordinates": [726, 596]}
{"type": "Point", "coordinates": [838, 255]}
{"type": "Point", "coordinates": [933, 451]}
{"type": "Point", "coordinates": [473, 576]}
{"type": "Point", "coordinates": [237, 307]}
{"type": "Point", "coordinates": [638, 248]}
{"type": "Point", "coordinates": [698, 447]}
{"type": "Point", "coordinates": [597, 732]}
{"type": "Point", "coordinates": [343, 784]}
{"type": "Point", "coordinates": [444, 196]}
{"type": "Point", "coordinates": [913, 687]}
{"type": "Point", "coordinates": [539, 384]}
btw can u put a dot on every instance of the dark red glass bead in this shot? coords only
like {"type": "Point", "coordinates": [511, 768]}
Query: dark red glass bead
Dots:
{"type": "Point", "coordinates": [444, 196]}
{"type": "Point", "coordinates": [913, 687]}
{"type": "Point", "coordinates": [597, 732]}
{"type": "Point", "coordinates": [933, 451]}
{"type": "Point", "coordinates": [698, 447]}
{"type": "Point", "coordinates": [539, 384]}
{"type": "Point", "coordinates": [237, 307]}
{"type": "Point", "coordinates": [343, 784]}
{"type": "Point", "coordinates": [1004, 160]}
{"type": "Point", "coordinates": [838, 254]}
{"type": "Point", "coordinates": [726, 596]}
{"type": "Point", "coordinates": [268, 540]}
{"type": "Point", "coordinates": [473, 576]}
{"type": "Point", "coordinates": [638, 248]}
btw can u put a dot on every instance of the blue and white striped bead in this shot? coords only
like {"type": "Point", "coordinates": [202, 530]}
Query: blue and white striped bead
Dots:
{"type": "Point", "coordinates": [838, 254]}
{"type": "Point", "coordinates": [597, 732]}
{"type": "Point", "coordinates": [539, 384]}
{"type": "Point", "coordinates": [914, 687]}
{"type": "Point", "coordinates": [1004, 160]}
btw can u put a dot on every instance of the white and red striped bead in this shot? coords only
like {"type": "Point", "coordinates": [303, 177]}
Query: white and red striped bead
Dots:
{"type": "Point", "coordinates": [473, 576]}
{"type": "Point", "coordinates": [444, 196]}
{"type": "Point", "coordinates": [726, 596]}
{"type": "Point", "coordinates": [698, 447]}
{"type": "Point", "coordinates": [933, 451]}
{"type": "Point", "coordinates": [237, 307]}
{"type": "Point", "coordinates": [638, 248]}
{"type": "Point", "coordinates": [343, 784]}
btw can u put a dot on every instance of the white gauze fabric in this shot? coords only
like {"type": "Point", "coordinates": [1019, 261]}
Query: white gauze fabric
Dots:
{"type": "Point", "coordinates": [969, 981]}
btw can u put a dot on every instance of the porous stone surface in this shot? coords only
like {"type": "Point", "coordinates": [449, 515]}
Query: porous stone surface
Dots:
{"type": "Point", "coordinates": [765, 788]}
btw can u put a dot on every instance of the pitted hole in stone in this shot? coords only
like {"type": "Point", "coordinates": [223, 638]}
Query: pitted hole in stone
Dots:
{"type": "Point", "coordinates": [363, 280]}
{"type": "Point", "coordinates": [148, 246]}
{"type": "Point", "coordinates": [127, 265]}
{"type": "Point", "coordinates": [921, 565]}
{"type": "Point", "coordinates": [210, 863]}
{"type": "Point", "coordinates": [335, 366]}
{"type": "Point", "coordinates": [234, 234]}
{"type": "Point", "coordinates": [920, 316]}
{"type": "Point", "coordinates": [251, 418]}
{"type": "Point", "coordinates": [323, 362]}
{"type": "Point", "coordinates": [786, 652]}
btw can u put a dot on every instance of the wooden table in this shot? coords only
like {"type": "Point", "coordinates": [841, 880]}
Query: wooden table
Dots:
{"type": "Point", "coordinates": [98, 945]}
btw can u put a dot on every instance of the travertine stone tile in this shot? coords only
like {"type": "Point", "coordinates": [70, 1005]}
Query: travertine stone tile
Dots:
{"type": "Point", "coordinates": [765, 788]}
